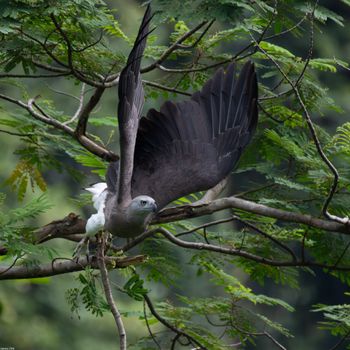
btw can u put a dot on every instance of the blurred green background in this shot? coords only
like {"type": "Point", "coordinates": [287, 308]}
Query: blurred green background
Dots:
{"type": "Point", "coordinates": [35, 314]}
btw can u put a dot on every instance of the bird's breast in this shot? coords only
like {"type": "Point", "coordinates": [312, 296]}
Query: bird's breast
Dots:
{"type": "Point", "coordinates": [119, 225]}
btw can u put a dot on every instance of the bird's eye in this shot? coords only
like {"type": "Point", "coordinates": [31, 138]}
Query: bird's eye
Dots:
{"type": "Point", "coordinates": [143, 203]}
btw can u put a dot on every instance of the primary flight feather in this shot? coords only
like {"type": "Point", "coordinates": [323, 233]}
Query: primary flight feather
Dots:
{"type": "Point", "coordinates": [185, 147]}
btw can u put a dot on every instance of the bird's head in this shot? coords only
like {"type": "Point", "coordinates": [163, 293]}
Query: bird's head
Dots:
{"type": "Point", "coordinates": [142, 206]}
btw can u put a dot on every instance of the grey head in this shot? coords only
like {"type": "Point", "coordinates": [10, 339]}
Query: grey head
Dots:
{"type": "Point", "coordinates": [140, 208]}
{"type": "Point", "coordinates": [131, 220]}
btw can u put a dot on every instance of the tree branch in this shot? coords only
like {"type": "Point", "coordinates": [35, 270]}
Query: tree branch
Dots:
{"type": "Point", "coordinates": [46, 49]}
{"type": "Point", "coordinates": [166, 88]}
{"type": "Point", "coordinates": [58, 267]}
{"type": "Point", "coordinates": [213, 193]}
{"type": "Point", "coordinates": [266, 235]}
{"type": "Point", "coordinates": [174, 329]}
{"type": "Point", "coordinates": [109, 296]}
{"type": "Point", "coordinates": [314, 136]}
{"type": "Point", "coordinates": [43, 117]}
{"type": "Point", "coordinates": [172, 48]}
{"type": "Point", "coordinates": [80, 106]}
{"type": "Point", "coordinates": [50, 68]}
{"type": "Point", "coordinates": [78, 74]}
{"type": "Point", "coordinates": [243, 254]}
{"type": "Point", "coordinates": [17, 133]}
{"type": "Point", "coordinates": [73, 225]}
{"type": "Point", "coordinates": [84, 113]}
{"type": "Point", "coordinates": [33, 76]}
{"type": "Point", "coordinates": [189, 211]}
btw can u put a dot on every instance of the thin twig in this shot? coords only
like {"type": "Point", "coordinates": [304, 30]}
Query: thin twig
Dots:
{"type": "Point", "coordinates": [341, 341]}
{"type": "Point", "coordinates": [271, 238]}
{"type": "Point", "coordinates": [17, 133]}
{"type": "Point", "coordinates": [46, 49]}
{"type": "Point", "coordinates": [148, 326]}
{"type": "Point", "coordinates": [78, 74]}
{"type": "Point", "coordinates": [311, 47]}
{"type": "Point", "coordinates": [298, 24]}
{"type": "Point", "coordinates": [165, 88]}
{"type": "Point", "coordinates": [50, 68]}
{"type": "Point", "coordinates": [303, 245]}
{"type": "Point", "coordinates": [84, 113]}
{"type": "Point", "coordinates": [80, 107]}
{"type": "Point", "coordinates": [263, 187]}
{"type": "Point", "coordinates": [278, 344]}
{"type": "Point", "coordinates": [169, 325]}
{"type": "Point", "coordinates": [341, 255]}
{"type": "Point", "coordinates": [66, 39]}
{"type": "Point", "coordinates": [206, 225]}
{"type": "Point", "coordinates": [183, 46]}
{"type": "Point", "coordinates": [11, 266]}
{"type": "Point", "coordinates": [33, 76]}
{"type": "Point", "coordinates": [259, 334]}
{"type": "Point", "coordinates": [90, 45]}
{"type": "Point", "coordinates": [62, 93]}
{"type": "Point", "coordinates": [172, 48]}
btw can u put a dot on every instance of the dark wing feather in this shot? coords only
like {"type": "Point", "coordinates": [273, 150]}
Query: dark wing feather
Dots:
{"type": "Point", "coordinates": [112, 176]}
{"type": "Point", "coordinates": [192, 145]}
{"type": "Point", "coordinates": [131, 100]}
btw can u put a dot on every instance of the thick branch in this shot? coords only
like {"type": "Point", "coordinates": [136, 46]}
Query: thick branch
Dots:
{"type": "Point", "coordinates": [72, 225]}
{"type": "Point", "coordinates": [59, 267]}
{"type": "Point", "coordinates": [85, 112]}
{"type": "Point", "coordinates": [109, 296]}
{"type": "Point", "coordinates": [189, 211]}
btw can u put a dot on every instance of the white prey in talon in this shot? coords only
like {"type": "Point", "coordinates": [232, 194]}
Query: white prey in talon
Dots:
{"type": "Point", "coordinates": [96, 222]}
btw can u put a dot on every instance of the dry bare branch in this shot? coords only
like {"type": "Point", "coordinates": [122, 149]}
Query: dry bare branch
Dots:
{"type": "Point", "coordinates": [80, 107]}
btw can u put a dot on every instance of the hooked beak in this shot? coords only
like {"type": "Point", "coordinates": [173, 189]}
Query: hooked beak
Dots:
{"type": "Point", "coordinates": [154, 207]}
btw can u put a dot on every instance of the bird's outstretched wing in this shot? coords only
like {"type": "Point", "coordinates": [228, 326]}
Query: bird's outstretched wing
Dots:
{"type": "Point", "coordinates": [192, 145]}
{"type": "Point", "coordinates": [131, 100]}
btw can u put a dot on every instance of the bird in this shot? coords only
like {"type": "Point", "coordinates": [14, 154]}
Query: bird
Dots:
{"type": "Point", "coordinates": [185, 147]}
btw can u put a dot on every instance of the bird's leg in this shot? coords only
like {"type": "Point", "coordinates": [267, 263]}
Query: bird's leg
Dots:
{"type": "Point", "coordinates": [100, 240]}
{"type": "Point", "coordinates": [108, 240]}
{"type": "Point", "coordinates": [80, 246]}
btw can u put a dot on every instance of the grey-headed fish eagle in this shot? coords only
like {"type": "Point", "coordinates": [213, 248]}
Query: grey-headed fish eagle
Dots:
{"type": "Point", "coordinates": [186, 147]}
